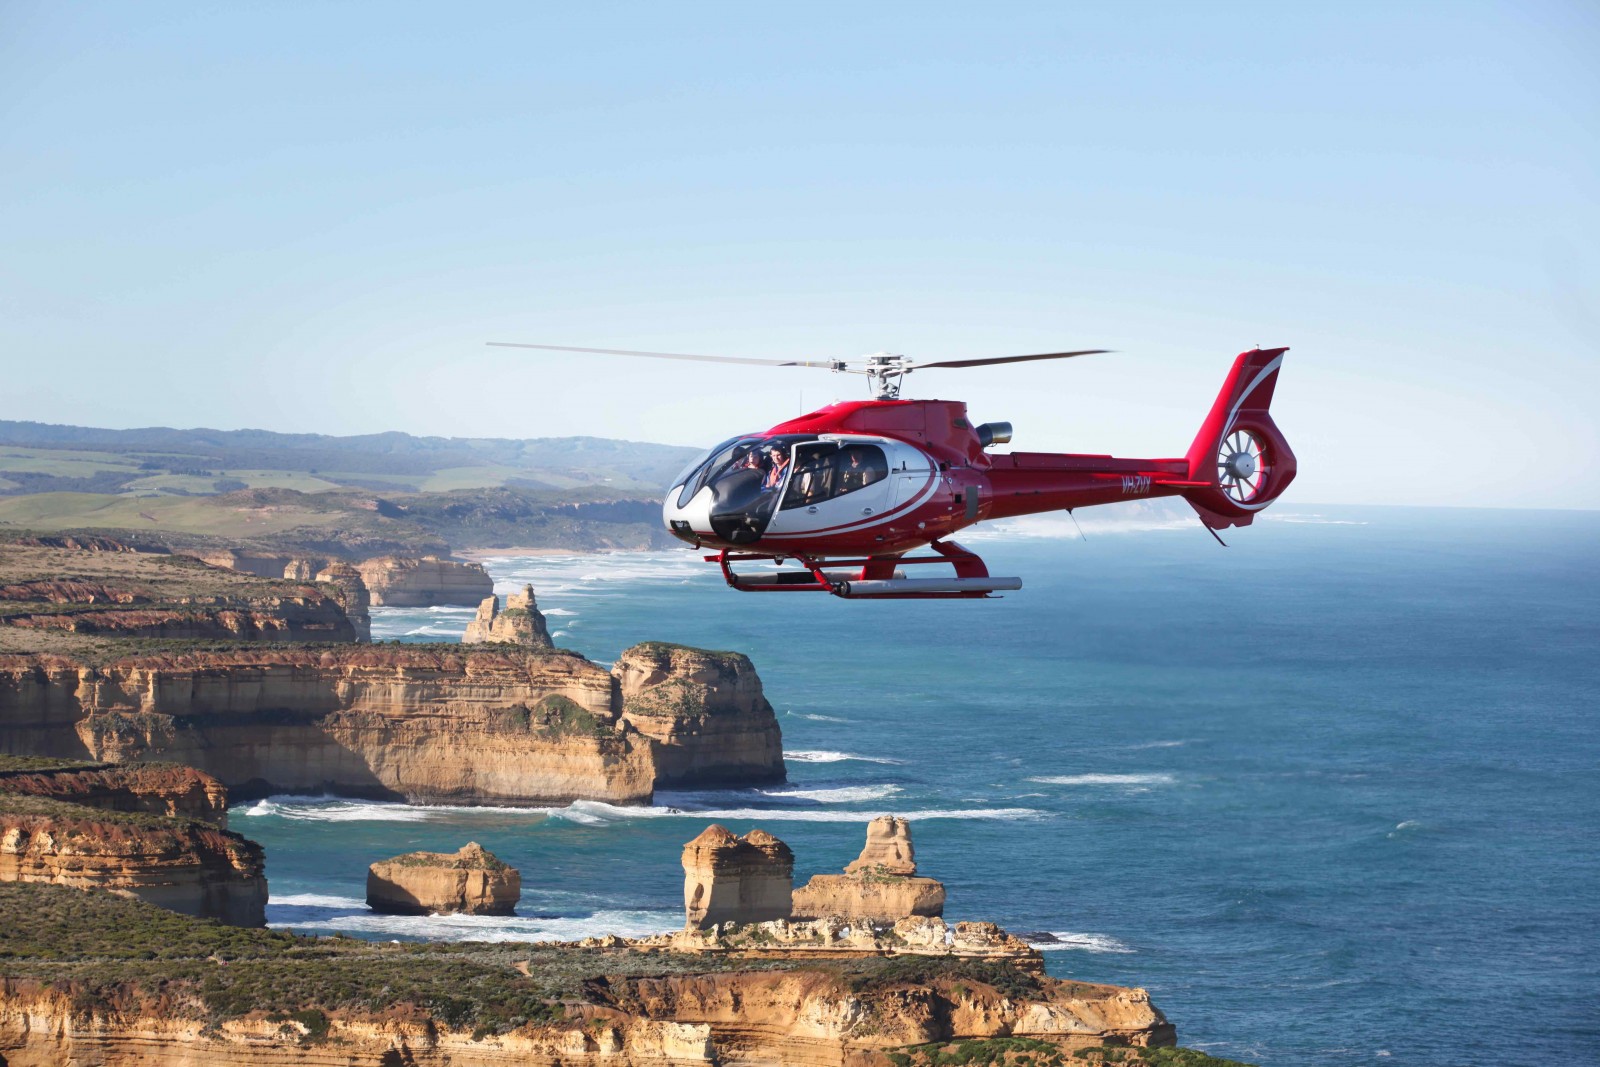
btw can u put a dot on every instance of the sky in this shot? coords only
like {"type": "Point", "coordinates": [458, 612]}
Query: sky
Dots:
{"type": "Point", "coordinates": [310, 218]}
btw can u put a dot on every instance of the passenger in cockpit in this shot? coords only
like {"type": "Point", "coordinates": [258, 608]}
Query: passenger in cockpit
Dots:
{"type": "Point", "coordinates": [780, 467]}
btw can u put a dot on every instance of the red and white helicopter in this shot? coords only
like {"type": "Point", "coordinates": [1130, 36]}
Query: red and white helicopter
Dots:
{"type": "Point", "coordinates": [851, 490]}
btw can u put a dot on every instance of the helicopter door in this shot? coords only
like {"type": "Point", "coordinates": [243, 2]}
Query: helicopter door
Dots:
{"type": "Point", "coordinates": [910, 470]}
{"type": "Point", "coordinates": [835, 484]}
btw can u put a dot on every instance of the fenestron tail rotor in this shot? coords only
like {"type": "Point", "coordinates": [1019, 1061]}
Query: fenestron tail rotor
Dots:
{"type": "Point", "coordinates": [885, 370]}
{"type": "Point", "coordinates": [1242, 466]}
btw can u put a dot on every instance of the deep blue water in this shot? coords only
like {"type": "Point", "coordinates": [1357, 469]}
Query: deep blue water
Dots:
{"type": "Point", "coordinates": [1331, 794]}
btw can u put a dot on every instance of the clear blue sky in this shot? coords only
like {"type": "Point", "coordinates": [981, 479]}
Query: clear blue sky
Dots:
{"type": "Point", "coordinates": [310, 217]}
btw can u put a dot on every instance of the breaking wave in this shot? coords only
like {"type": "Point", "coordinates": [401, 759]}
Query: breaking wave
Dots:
{"type": "Point", "coordinates": [1067, 940]}
{"type": "Point", "coordinates": [1104, 779]}
{"type": "Point", "coordinates": [847, 794]}
{"type": "Point", "coordinates": [804, 755]}
{"type": "Point", "coordinates": [314, 900]}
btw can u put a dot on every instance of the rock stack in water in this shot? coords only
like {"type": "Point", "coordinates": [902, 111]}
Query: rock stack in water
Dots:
{"type": "Point", "coordinates": [727, 878]}
{"type": "Point", "coordinates": [881, 884]}
{"type": "Point", "coordinates": [472, 881]}
{"type": "Point", "coordinates": [519, 624]}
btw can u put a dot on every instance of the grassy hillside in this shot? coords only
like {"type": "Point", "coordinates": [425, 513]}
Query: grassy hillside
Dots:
{"type": "Point", "coordinates": [41, 458]}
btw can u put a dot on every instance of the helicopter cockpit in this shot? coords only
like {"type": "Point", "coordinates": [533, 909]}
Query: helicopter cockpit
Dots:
{"type": "Point", "coordinates": [739, 486]}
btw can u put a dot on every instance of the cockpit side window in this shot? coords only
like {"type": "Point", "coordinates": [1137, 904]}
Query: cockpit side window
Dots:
{"type": "Point", "coordinates": [824, 470]}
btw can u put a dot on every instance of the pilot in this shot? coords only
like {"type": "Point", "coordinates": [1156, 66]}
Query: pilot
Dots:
{"type": "Point", "coordinates": [780, 466]}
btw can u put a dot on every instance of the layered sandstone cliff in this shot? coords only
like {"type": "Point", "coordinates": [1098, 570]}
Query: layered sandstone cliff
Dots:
{"type": "Point", "coordinates": [470, 881]}
{"type": "Point", "coordinates": [426, 582]}
{"type": "Point", "coordinates": [185, 866]}
{"type": "Point", "coordinates": [705, 711]}
{"type": "Point", "coordinates": [427, 724]}
{"type": "Point", "coordinates": [881, 884]}
{"type": "Point", "coordinates": [521, 623]}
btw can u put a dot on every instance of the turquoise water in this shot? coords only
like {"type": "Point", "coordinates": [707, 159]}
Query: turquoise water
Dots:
{"type": "Point", "coordinates": [1331, 794]}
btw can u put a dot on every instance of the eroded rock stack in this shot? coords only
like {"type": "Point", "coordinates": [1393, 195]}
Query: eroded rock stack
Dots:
{"type": "Point", "coordinates": [880, 885]}
{"type": "Point", "coordinates": [471, 881]}
{"type": "Point", "coordinates": [353, 596]}
{"type": "Point", "coordinates": [426, 582]}
{"type": "Point", "coordinates": [706, 712]}
{"type": "Point", "coordinates": [727, 878]}
{"type": "Point", "coordinates": [519, 624]}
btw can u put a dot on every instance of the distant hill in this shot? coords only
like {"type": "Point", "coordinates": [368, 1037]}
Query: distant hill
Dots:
{"type": "Point", "coordinates": [161, 461]}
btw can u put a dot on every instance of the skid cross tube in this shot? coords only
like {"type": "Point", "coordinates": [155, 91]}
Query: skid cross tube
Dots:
{"type": "Point", "coordinates": [880, 571]}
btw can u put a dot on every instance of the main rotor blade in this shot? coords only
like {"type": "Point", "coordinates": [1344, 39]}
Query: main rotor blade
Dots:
{"type": "Point", "coordinates": [1008, 359]}
{"type": "Point", "coordinates": [826, 365]}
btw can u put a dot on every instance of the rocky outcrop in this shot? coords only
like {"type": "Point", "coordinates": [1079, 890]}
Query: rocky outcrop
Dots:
{"type": "Point", "coordinates": [352, 596]}
{"type": "Point", "coordinates": [839, 938]}
{"type": "Point", "coordinates": [184, 866]}
{"type": "Point", "coordinates": [424, 724]}
{"type": "Point", "coordinates": [471, 881]}
{"type": "Point", "coordinates": [705, 712]}
{"type": "Point", "coordinates": [519, 624]}
{"type": "Point", "coordinates": [155, 788]}
{"type": "Point", "coordinates": [880, 885]}
{"type": "Point", "coordinates": [426, 582]}
{"type": "Point", "coordinates": [888, 849]}
{"type": "Point", "coordinates": [727, 878]}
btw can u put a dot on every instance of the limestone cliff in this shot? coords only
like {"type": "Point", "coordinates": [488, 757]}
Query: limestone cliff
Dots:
{"type": "Point", "coordinates": [425, 582]}
{"type": "Point", "coordinates": [880, 884]}
{"type": "Point", "coordinates": [183, 992]}
{"type": "Point", "coordinates": [427, 724]}
{"type": "Point", "coordinates": [704, 710]}
{"type": "Point", "coordinates": [521, 623]}
{"type": "Point", "coordinates": [471, 881]}
{"type": "Point", "coordinates": [185, 866]}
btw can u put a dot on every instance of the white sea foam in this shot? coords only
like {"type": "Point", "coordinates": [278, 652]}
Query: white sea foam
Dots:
{"type": "Point", "coordinates": [815, 718]}
{"type": "Point", "coordinates": [602, 813]}
{"type": "Point", "coordinates": [825, 756]}
{"type": "Point", "coordinates": [847, 794]}
{"type": "Point", "coordinates": [1403, 828]}
{"type": "Point", "coordinates": [595, 811]}
{"type": "Point", "coordinates": [1104, 779]}
{"type": "Point", "coordinates": [497, 927]}
{"type": "Point", "coordinates": [557, 612]}
{"type": "Point", "coordinates": [314, 900]}
{"type": "Point", "coordinates": [1157, 744]}
{"type": "Point", "coordinates": [1065, 940]}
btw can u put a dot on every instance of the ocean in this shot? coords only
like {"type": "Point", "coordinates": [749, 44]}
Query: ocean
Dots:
{"type": "Point", "coordinates": [1332, 793]}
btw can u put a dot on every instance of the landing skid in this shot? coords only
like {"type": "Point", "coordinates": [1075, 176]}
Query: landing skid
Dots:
{"type": "Point", "coordinates": [869, 577]}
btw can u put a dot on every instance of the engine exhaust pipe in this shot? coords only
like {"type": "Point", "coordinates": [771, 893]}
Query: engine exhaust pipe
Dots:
{"type": "Point", "coordinates": [994, 433]}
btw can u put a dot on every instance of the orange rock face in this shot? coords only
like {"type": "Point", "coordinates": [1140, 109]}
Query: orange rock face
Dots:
{"type": "Point", "coordinates": [425, 582]}
{"type": "Point", "coordinates": [185, 866]}
{"type": "Point", "coordinates": [519, 624]}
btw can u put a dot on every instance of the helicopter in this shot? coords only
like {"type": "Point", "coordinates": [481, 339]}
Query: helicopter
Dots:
{"type": "Point", "coordinates": [854, 491]}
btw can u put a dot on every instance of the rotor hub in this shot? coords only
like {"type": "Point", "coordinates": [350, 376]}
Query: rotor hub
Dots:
{"type": "Point", "coordinates": [1242, 465]}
